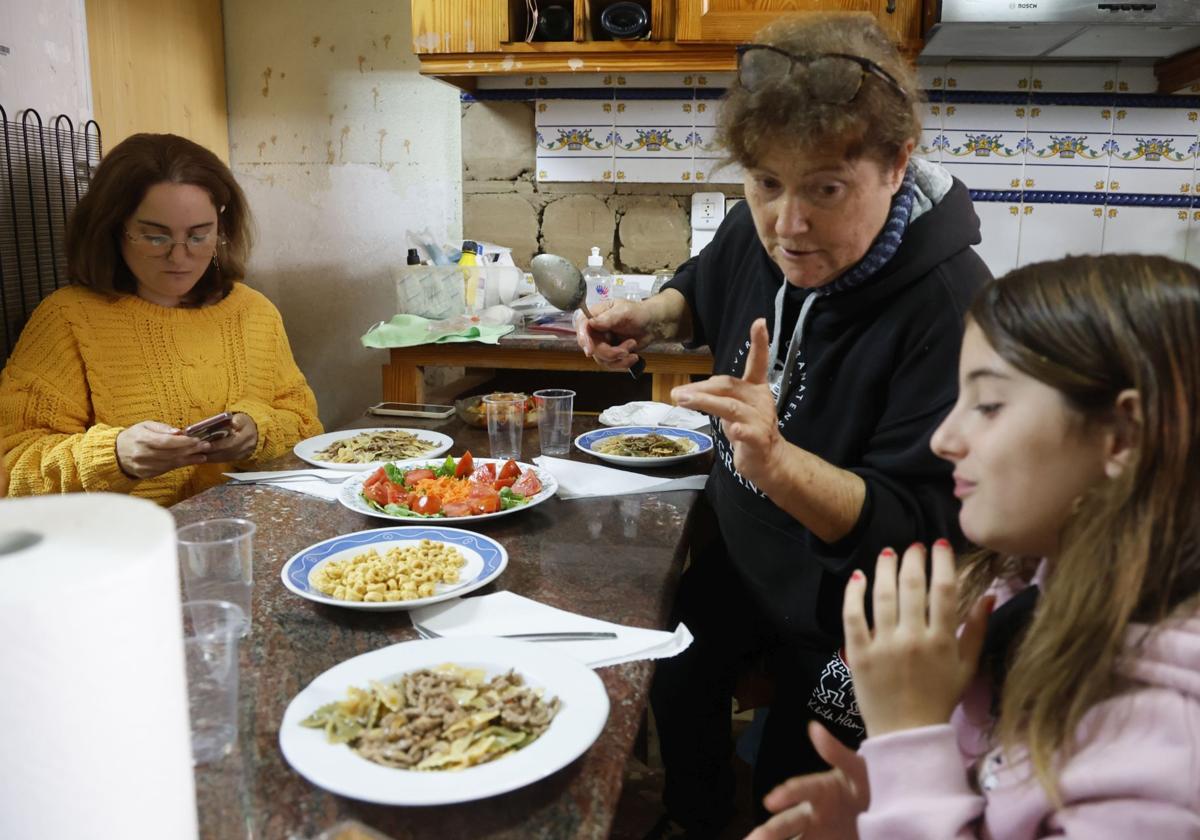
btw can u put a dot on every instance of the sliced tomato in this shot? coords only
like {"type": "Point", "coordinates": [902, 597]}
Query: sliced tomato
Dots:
{"type": "Point", "coordinates": [413, 476]}
{"type": "Point", "coordinates": [456, 509]}
{"type": "Point", "coordinates": [428, 505]}
{"type": "Point", "coordinates": [483, 499]}
{"type": "Point", "coordinates": [375, 477]}
{"type": "Point", "coordinates": [395, 494]}
{"type": "Point", "coordinates": [501, 483]}
{"type": "Point", "coordinates": [509, 470]}
{"type": "Point", "coordinates": [528, 484]}
{"type": "Point", "coordinates": [484, 474]}
{"type": "Point", "coordinates": [474, 491]}
{"type": "Point", "coordinates": [377, 493]}
{"type": "Point", "coordinates": [465, 466]}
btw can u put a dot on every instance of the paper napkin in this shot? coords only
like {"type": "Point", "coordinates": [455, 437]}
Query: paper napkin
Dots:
{"type": "Point", "coordinates": [579, 481]}
{"type": "Point", "coordinates": [507, 612]}
{"type": "Point", "coordinates": [652, 414]}
{"type": "Point", "coordinates": [310, 487]}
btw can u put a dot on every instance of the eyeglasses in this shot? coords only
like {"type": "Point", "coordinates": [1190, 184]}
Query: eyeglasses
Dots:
{"type": "Point", "coordinates": [834, 78]}
{"type": "Point", "coordinates": [161, 245]}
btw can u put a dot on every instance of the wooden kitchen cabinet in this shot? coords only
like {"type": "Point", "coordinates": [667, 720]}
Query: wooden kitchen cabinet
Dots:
{"type": "Point", "coordinates": [459, 40]}
{"type": "Point", "coordinates": [737, 21]}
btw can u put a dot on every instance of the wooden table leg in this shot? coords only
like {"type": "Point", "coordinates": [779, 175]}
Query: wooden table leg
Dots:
{"type": "Point", "coordinates": [662, 383]}
{"type": "Point", "coordinates": [403, 383]}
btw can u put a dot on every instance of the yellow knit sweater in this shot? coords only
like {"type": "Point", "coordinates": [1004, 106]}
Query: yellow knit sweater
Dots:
{"type": "Point", "coordinates": [87, 366]}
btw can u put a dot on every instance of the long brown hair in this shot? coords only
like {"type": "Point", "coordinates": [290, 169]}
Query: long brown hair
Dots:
{"type": "Point", "coordinates": [877, 123]}
{"type": "Point", "coordinates": [121, 181]}
{"type": "Point", "coordinates": [1092, 327]}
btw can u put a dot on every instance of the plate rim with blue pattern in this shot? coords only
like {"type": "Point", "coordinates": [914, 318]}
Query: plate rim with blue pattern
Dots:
{"type": "Point", "coordinates": [295, 572]}
{"type": "Point", "coordinates": [584, 443]}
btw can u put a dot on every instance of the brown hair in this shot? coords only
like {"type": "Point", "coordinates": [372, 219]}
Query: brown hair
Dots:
{"type": "Point", "coordinates": [877, 123]}
{"type": "Point", "coordinates": [126, 173]}
{"type": "Point", "coordinates": [1091, 327]}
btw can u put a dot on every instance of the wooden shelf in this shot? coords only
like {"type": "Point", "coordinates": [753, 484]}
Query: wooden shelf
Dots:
{"type": "Point", "coordinates": [590, 57]}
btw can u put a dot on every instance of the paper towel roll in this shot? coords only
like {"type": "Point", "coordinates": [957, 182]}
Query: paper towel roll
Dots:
{"type": "Point", "coordinates": [93, 697]}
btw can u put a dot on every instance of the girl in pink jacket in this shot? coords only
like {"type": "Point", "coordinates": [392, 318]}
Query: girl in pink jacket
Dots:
{"type": "Point", "coordinates": [1018, 698]}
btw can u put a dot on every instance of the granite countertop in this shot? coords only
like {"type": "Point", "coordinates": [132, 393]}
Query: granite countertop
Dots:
{"type": "Point", "coordinates": [616, 558]}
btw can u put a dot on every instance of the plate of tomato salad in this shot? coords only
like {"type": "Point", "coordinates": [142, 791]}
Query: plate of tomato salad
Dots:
{"type": "Point", "coordinates": [454, 489]}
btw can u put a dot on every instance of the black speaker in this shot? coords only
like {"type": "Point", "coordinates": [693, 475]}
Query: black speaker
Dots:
{"type": "Point", "coordinates": [624, 21]}
{"type": "Point", "coordinates": [556, 22]}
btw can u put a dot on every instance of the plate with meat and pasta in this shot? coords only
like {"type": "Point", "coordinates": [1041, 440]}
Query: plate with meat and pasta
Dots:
{"type": "Point", "coordinates": [361, 450]}
{"type": "Point", "coordinates": [644, 446]}
{"type": "Point", "coordinates": [439, 721]}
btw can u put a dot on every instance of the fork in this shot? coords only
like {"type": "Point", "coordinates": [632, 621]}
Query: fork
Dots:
{"type": "Point", "coordinates": [559, 636]}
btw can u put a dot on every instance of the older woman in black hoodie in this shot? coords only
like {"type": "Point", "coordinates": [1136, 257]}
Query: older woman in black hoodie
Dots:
{"type": "Point", "coordinates": [833, 300]}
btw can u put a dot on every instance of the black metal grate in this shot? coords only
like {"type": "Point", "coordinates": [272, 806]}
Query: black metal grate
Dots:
{"type": "Point", "coordinates": [43, 172]}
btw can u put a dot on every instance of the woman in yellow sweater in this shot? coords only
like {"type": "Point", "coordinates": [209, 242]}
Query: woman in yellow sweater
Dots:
{"type": "Point", "coordinates": [156, 333]}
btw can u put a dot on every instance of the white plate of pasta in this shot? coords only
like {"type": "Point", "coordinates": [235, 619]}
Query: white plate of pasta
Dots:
{"type": "Point", "coordinates": [400, 568]}
{"type": "Point", "coordinates": [360, 450]}
{"type": "Point", "coordinates": [643, 446]}
{"type": "Point", "coordinates": [335, 760]}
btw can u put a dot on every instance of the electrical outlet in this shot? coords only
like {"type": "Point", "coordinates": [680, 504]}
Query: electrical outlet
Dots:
{"type": "Point", "coordinates": [708, 209]}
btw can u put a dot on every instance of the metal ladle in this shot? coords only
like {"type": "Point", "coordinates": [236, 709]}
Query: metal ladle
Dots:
{"type": "Point", "coordinates": [561, 284]}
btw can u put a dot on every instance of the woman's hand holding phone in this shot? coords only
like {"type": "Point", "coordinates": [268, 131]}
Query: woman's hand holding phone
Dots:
{"type": "Point", "coordinates": [149, 449]}
{"type": "Point", "coordinates": [238, 445]}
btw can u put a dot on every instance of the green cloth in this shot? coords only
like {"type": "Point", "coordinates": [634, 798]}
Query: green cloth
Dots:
{"type": "Point", "coordinates": [410, 330]}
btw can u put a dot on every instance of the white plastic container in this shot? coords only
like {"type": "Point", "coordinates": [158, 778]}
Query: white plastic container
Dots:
{"type": "Point", "coordinates": [599, 279]}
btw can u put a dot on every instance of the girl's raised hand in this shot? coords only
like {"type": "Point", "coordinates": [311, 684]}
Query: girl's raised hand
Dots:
{"type": "Point", "coordinates": [910, 671]}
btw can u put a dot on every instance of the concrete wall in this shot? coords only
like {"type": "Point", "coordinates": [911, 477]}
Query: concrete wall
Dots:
{"type": "Point", "coordinates": [343, 150]}
{"type": "Point", "coordinates": [46, 67]}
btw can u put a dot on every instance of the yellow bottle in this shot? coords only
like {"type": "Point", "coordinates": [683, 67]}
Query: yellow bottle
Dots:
{"type": "Point", "coordinates": [471, 279]}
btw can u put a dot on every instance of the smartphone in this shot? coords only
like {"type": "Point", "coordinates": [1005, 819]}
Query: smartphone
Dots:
{"type": "Point", "coordinates": [412, 410]}
{"type": "Point", "coordinates": [212, 428]}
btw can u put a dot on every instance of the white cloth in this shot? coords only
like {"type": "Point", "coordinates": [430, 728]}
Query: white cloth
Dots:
{"type": "Point", "coordinates": [327, 490]}
{"type": "Point", "coordinates": [652, 414]}
{"type": "Point", "coordinates": [579, 481]}
{"type": "Point", "coordinates": [507, 612]}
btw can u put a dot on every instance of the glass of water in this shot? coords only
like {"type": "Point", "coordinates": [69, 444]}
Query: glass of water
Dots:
{"type": "Point", "coordinates": [506, 424]}
{"type": "Point", "coordinates": [210, 642]}
{"type": "Point", "coordinates": [555, 406]}
{"type": "Point", "coordinates": [216, 563]}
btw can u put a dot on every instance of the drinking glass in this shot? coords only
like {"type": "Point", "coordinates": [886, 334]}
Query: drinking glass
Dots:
{"type": "Point", "coordinates": [506, 422]}
{"type": "Point", "coordinates": [210, 640]}
{"type": "Point", "coordinates": [554, 419]}
{"type": "Point", "coordinates": [216, 562]}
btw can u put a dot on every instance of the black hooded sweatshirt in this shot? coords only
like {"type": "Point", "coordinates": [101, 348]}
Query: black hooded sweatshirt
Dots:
{"type": "Point", "coordinates": [877, 371]}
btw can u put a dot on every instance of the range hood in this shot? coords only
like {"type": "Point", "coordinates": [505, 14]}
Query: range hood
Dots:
{"type": "Point", "coordinates": [1063, 29]}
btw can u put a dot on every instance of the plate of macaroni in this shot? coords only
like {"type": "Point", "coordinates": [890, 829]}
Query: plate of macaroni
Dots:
{"type": "Point", "coordinates": [644, 446]}
{"type": "Point", "coordinates": [388, 569]}
{"type": "Point", "coordinates": [333, 732]}
{"type": "Point", "coordinates": [360, 450]}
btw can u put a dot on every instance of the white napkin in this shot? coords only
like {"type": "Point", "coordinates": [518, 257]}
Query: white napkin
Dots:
{"type": "Point", "coordinates": [579, 481]}
{"type": "Point", "coordinates": [507, 612]}
{"type": "Point", "coordinates": [652, 414]}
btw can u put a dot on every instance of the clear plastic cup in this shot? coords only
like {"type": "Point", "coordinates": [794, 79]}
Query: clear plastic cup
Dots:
{"type": "Point", "coordinates": [506, 424]}
{"type": "Point", "coordinates": [210, 641]}
{"type": "Point", "coordinates": [216, 563]}
{"type": "Point", "coordinates": [555, 407]}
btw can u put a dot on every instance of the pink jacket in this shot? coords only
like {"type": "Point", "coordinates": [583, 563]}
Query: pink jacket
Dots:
{"type": "Point", "coordinates": [1136, 777]}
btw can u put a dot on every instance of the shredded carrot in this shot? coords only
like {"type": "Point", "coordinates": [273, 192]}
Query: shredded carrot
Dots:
{"type": "Point", "coordinates": [446, 488]}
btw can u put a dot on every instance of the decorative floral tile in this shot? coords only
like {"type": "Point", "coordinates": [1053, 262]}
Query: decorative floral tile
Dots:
{"type": "Point", "coordinates": [1166, 180]}
{"type": "Point", "coordinates": [1074, 78]}
{"type": "Point", "coordinates": [985, 176]}
{"type": "Point", "coordinates": [930, 145]}
{"type": "Point", "coordinates": [657, 112]}
{"type": "Point", "coordinates": [1127, 120]}
{"type": "Point", "coordinates": [1154, 150]}
{"type": "Point", "coordinates": [1136, 78]}
{"type": "Point", "coordinates": [1074, 119]}
{"type": "Point", "coordinates": [575, 141]}
{"type": "Point", "coordinates": [638, 141]}
{"type": "Point", "coordinates": [1001, 226]}
{"type": "Point", "coordinates": [1065, 177]}
{"type": "Point", "coordinates": [984, 117]}
{"type": "Point", "coordinates": [1146, 230]}
{"type": "Point", "coordinates": [590, 169]}
{"type": "Point", "coordinates": [982, 146]}
{"type": "Point", "coordinates": [704, 142]}
{"type": "Point", "coordinates": [567, 80]}
{"type": "Point", "coordinates": [932, 76]}
{"type": "Point", "coordinates": [1050, 231]}
{"type": "Point", "coordinates": [716, 171]}
{"type": "Point", "coordinates": [705, 112]}
{"type": "Point", "coordinates": [560, 112]}
{"type": "Point", "coordinates": [647, 170]}
{"type": "Point", "coordinates": [966, 75]}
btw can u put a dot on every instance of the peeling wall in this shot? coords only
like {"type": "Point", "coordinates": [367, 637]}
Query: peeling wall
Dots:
{"type": "Point", "coordinates": [47, 65]}
{"type": "Point", "coordinates": [343, 150]}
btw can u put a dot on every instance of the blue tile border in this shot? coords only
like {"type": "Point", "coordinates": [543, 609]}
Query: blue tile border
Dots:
{"type": "Point", "coordinates": [1093, 198]}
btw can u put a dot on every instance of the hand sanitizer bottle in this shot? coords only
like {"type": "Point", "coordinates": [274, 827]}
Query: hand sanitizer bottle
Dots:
{"type": "Point", "coordinates": [599, 279]}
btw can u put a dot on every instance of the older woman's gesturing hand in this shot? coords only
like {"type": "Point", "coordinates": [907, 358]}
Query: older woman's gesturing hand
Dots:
{"type": "Point", "coordinates": [746, 408]}
{"type": "Point", "coordinates": [819, 806]}
{"type": "Point", "coordinates": [911, 670]}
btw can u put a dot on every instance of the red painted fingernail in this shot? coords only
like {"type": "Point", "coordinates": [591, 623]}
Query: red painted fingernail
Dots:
{"type": "Point", "coordinates": [943, 542]}
{"type": "Point", "coordinates": [917, 544]}
{"type": "Point", "coordinates": [887, 552]}
{"type": "Point", "coordinates": [857, 575]}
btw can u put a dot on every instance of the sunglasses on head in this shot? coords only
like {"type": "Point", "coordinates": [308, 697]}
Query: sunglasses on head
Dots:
{"type": "Point", "coordinates": [835, 78]}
